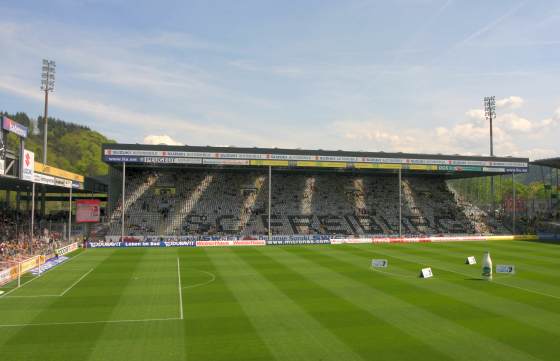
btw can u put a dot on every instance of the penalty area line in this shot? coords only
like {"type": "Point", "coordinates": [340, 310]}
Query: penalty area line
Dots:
{"type": "Point", "coordinates": [38, 276]}
{"type": "Point", "coordinates": [181, 313]}
{"type": "Point", "coordinates": [90, 322]}
{"type": "Point", "coordinates": [75, 283]}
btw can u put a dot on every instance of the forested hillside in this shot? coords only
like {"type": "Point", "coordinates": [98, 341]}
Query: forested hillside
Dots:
{"type": "Point", "coordinates": [72, 147]}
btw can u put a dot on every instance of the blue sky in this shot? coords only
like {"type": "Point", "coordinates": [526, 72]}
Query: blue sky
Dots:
{"type": "Point", "coordinates": [355, 75]}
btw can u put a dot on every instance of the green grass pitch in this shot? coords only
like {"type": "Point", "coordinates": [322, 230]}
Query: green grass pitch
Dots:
{"type": "Point", "coordinates": [288, 303]}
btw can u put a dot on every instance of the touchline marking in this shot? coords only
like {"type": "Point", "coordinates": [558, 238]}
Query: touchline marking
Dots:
{"type": "Point", "coordinates": [75, 283]}
{"type": "Point", "coordinates": [90, 322]}
{"type": "Point", "coordinates": [180, 289]}
{"type": "Point", "coordinates": [34, 278]}
{"type": "Point", "coordinates": [468, 275]}
{"type": "Point", "coordinates": [32, 296]}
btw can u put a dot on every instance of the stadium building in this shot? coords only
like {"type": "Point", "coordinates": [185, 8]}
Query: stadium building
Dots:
{"type": "Point", "coordinates": [249, 192]}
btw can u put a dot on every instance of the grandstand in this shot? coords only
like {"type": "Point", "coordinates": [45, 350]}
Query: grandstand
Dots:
{"type": "Point", "coordinates": [176, 191]}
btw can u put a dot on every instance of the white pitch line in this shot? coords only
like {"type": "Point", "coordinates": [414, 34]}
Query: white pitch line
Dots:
{"type": "Point", "coordinates": [32, 296]}
{"type": "Point", "coordinates": [17, 288]}
{"type": "Point", "coordinates": [212, 279]}
{"type": "Point", "coordinates": [89, 322]}
{"type": "Point", "coordinates": [34, 278]}
{"type": "Point", "coordinates": [180, 289]}
{"type": "Point", "coordinates": [75, 283]}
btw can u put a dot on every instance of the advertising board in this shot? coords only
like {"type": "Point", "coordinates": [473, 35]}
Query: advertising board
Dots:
{"type": "Point", "coordinates": [118, 244]}
{"type": "Point", "coordinates": [284, 242]}
{"type": "Point", "coordinates": [16, 128]}
{"type": "Point", "coordinates": [88, 210]}
{"type": "Point", "coordinates": [28, 171]}
{"type": "Point", "coordinates": [67, 249]}
{"type": "Point", "coordinates": [57, 172]}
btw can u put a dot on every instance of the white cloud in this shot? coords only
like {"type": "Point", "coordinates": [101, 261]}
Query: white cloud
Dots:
{"type": "Point", "coordinates": [516, 123]}
{"type": "Point", "coordinates": [512, 102]}
{"type": "Point", "coordinates": [187, 129]}
{"type": "Point", "coordinates": [513, 135]}
{"type": "Point", "coordinates": [160, 139]}
{"type": "Point", "coordinates": [477, 114]}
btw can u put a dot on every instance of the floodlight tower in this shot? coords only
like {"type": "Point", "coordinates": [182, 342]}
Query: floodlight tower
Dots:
{"type": "Point", "coordinates": [47, 85]}
{"type": "Point", "coordinates": [490, 112]}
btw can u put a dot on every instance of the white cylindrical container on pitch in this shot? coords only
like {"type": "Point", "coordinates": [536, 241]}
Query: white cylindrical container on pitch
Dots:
{"type": "Point", "coordinates": [487, 266]}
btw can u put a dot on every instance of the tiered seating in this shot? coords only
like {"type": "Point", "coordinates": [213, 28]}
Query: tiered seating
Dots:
{"type": "Point", "coordinates": [181, 202]}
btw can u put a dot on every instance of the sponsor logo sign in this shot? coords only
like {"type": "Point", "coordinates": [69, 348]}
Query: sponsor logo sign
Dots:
{"type": "Point", "coordinates": [28, 171]}
{"type": "Point", "coordinates": [426, 273]}
{"type": "Point", "coordinates": [379, 263]}
{"type": "Point", "coordinates": [505, 268]}
{"type": "Point", "coordinates": [31, 263]}
{"type": "Point", "coordinates": [67, 249]}
{"type": "Point", "coordinates": [43, 179]}
{"type": "Point", "coordinates": [226, 161]}
{"type": "Point", "coordinates": [258, 242]}
{"type": "Point", "coordinates": [48, 265]}
{"type": "Point", "coordinates": [120, 155]}
{"type": "Point", "coordinates": [350, 240]}
{"type": "Point", "coordinates": [88, 210]}
{"type": "Point", "coordinates": [57, 172]}
{"type": "Point", "coordinates": [16, 128]}
{"type": "Point", "coordinates": [169, 243]}
{"type": "Point", "coordinates": [7, 275]}
{"type": "Point", "coordinates": [470, 260]}
{"type": "Point", "coordinates": [284, 242]}
{"type": "Point", "coordinates": [272, 163]}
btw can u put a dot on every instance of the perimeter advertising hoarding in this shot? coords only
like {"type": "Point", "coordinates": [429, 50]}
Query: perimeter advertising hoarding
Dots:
{"type": "Point", "coordinates": [88, 210]}
{"type": "Point", "coordinates": [120, 155]}
{"type": "Point", "coordinates": [322, 164]}
{"type": "Point", "coordinates": [297, 242]}
{"type": "Point", "coordinates": [377, 166]}
{"type": "Point", "coordinates": [118, 244]}
{"type": "Point", "coordinates": [12, 126]}
{"type": "Point", "coordinates": [57, 172]}
{"type": "Point", "coordinates": [272, 163]}
{"type": "Point", "coordinates": [259, 159]}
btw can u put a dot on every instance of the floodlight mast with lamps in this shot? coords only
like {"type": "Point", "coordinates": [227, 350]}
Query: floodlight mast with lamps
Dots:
{"type": "Point", "coordinates": [490, 112]}
{"type": "Point", "coordinates": [47, 85]}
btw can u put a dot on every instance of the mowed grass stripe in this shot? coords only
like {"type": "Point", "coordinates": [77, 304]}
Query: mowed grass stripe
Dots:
{"type": "Point", "coordinates": [26, 309]}
{"type": "Point", "coordinates": [533, 266]}
{"type": "Point", "coordinates": [528, 317]}
{"type": "Point", "coordinates": [215, 325]}
{"type": "Point", "coordinates": [453, 261]}
{"type": "Point", "coordinates": [401, 306]}
{"type": "Point", "coordinates": [150, 293]}
{"type": "Point", "coordinates": [288, 330]}
{"type": "Point", "coordinates": [531, 247]}
{"type": "Point", "coordinates": [531, 255]}
{"type": "Point", "coordinates": [367, 335]}
{"type": "Point", "coordinates": [80, 340]}
{"type": "Point", "coordinates": [21, 311]}
{"type": "Point", "coordinates": [55, 281]}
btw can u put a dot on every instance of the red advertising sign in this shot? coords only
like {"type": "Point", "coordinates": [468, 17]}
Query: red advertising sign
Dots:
{"type": "Point", "coordinates": [88, 210]}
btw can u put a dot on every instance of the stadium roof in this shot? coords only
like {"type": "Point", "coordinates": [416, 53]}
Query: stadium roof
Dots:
{"type": "Point", "coordinates": [91, 185]}
{"type": "Point", "coordinates": [198, 156]}
{"type": "Point", "coordinates": [548, 162]}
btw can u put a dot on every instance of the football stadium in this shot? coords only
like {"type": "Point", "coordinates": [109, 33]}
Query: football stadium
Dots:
{"type": "Point", "coordinates": [221, 253]}
{"type": "Point", "coordinates": [360, 216]}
